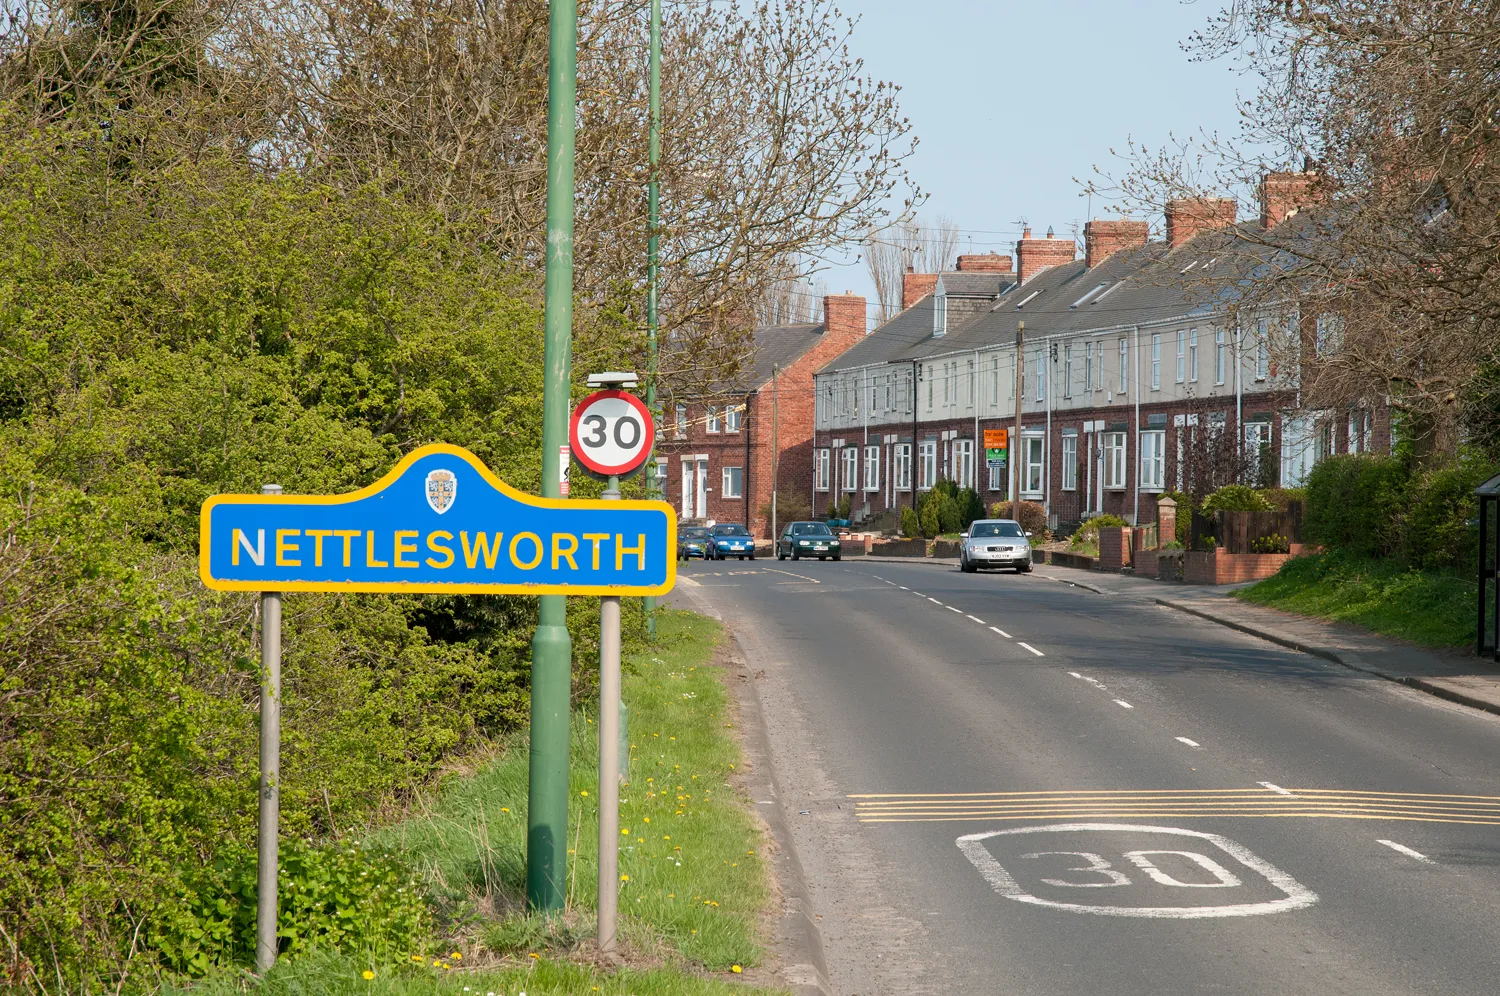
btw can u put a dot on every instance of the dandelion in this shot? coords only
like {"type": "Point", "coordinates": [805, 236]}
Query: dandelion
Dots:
{"type": "Point", "coordinates": [368, 975]}
{"type": "Point", "coordinates": [624, 831]}
{"type": "Point", "coordinates": [436, 963]}
{"type": "Point", "coordinates": [624, 878]}
{"type": "Point", "coordinates": [669, 838]}
{"type": "Point", "coordinates": [584, 792]}
{"type": "Point", "coordinates": [418, 958]}
{"type": "Point", "coordinates": [736, 969]}
{"type": "Point", "coordinates": [533, 954]}
{"type": "Point", "coordinates": [504, 810]}
{"type": "Point", "coordinates": [456, 956]}
{"type": "Point", "coordinates": [645, 819]}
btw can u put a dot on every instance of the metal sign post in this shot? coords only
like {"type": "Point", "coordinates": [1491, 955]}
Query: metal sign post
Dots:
{"type": "Point", "coordinates": [269, 826]}
{"type": "Point", "coordinates": [612, 434]}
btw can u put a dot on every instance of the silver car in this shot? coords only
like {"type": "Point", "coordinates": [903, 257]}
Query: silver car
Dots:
{"type": "Point", "coordinates": [995, 543]}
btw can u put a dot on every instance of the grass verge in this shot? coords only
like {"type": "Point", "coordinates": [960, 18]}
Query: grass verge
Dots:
{"type": "Point", "coordinates": [1430, 608]}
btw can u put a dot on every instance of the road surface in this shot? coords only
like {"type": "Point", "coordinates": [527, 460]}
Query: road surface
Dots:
{"type": "Point", "coordinates": [1003, 784]}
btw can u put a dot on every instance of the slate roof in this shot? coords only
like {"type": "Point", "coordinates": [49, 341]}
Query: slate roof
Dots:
{"type": "Point", "coordinates": [781, 345]}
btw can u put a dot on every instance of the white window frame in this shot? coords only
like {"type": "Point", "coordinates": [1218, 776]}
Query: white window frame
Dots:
{"type": "Point", "coordinates": [872, 468]}
{"type": "Point", "coordinates": [997, 478]}
{"type": "Point", "coordinates": [1193, 355]}
{"type": "Point", "coordinates": [901, 459]}
{"type": "Point", "coordinates": [1156, 361]}
{"type": "Point", "coordinates": [1153, 459]}
{"type": "Point", "coordinates": [714, 423]}
{"type": "Point", "coordinates": [1124, 366]}
{"type": "Point", "coordinates": [733, 414]}
{"type": "Point", "coordinates": [1034, 464]}
{"type": "Point", "coordinates": [927, 453]}
{"type": "Point", "coordinates": [1114, 461]}
{"type": "Point", "coordinates": [1088, 367]}
{"type": "Point", "coordinates": [995, 370]}
{"type": "Point", "coordinates": [1262, 348]}
{"type": "Point", "coordinates": [927, 374]}
{"type": "Point", "coordinates": [680, 422]}
{"type": "Point", "coordinates": [1181, 356]}
{"type": "Point", "coordinates": [947, 385]}
{"type": "Point", "coordinates": [732, 480]}
{"type": "Point", "coordinates": [1041, 375]}
{"type": "Point", "coordinates": [1068, 370]}
{"type": "Point", "coordinates": [1070, 463]}
{"type": "Point", "coordinates": [963, 462]}
{"type": "Point", "coordinates": [822, 464]}
{"type": "Point", "coordinates": [940, 313]}
{"type": "Point", "coordinates": [849, 469]}
{"type": "Point", "coordinates": [1221, 357]}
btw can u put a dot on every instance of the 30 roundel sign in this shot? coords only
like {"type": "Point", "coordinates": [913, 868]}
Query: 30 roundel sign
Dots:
{"type": "Point", "coordinates": [611, 432]}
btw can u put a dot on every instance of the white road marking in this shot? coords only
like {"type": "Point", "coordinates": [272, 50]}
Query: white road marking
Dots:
{"type": "Point", "coordinates": [977, 619]}
{"type": "Point", "coordinates": [683, 579]}
{"type": "Point", "coordinates": [1277, 789]}
{"type": "Point", "coordinates": [1190, 743]}
{"type": "Point", "coordinates": [1296, 895]}
{"type": "Point", "coordinates": [1033, 650]}
{"type": "Point", "coordinates": [1123, 704]}
{"type": "Point", "coordinates": [997, 629]}
{"type": "Point", "coordinates": [932, 600]}
{"type": "Point", "coordinates": [1403, 849]}
{"type": "Point", "coordinates": [776, 570]}
{"type": "Point", "coordinates": [952, 609]}
{"type": "Point", "coordinates": [903, 587]}
{"type": "Point", "coordinates": [1092, 681]}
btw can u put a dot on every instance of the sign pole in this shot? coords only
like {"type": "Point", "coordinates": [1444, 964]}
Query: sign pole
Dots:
{"type": "Point", "coordinates": [551, 648]}
{"type": "Point", "coordinates": [653, 243]}
{"type": "Point", "coordinates": [609, 759]}
{"type": "Point", "coordinates": [270, 773]}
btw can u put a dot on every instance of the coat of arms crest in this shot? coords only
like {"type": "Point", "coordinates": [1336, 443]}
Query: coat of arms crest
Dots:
{"type": "Point", "coordinates": [442, 489]}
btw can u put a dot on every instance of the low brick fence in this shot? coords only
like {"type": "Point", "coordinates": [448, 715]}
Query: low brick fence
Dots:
{"type": "Point", "coordinates": [1114, 547]}
{"type": "Point", "coordinates": [899, 548]}
{"type": "Point", "coordinates": [945, 548]}
{"type": "Point", "coordinates": [1061, 559]}
{"type": "Point", "coordinates": [1221, 567]}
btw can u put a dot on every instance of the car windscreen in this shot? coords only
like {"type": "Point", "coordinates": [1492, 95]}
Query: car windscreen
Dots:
{"type": "Point", "coordinates": [693, 532]}
{"type": "Point", "coordinates": [810, 529]}
{"type": "Point", "coordinates": [731, 529]}
{"type": "Point", "coordinates": [1009, 529]}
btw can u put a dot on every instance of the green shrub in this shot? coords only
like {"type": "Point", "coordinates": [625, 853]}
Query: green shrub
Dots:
{"type": "Point", "coordinates": [970, 507]}
{"type": "Point", "coordinates": [1271, 544]}
{"type": "Point", "coordinates": [1355, 503]}
{"type": "Point", "coordinates": [332, 897]}
{"type": "Point", "coordinates": [1031, 515]}
{"type": "Point", "coordinates": [1186, 505]}
{"type": "Point", "coordinates": [1235, 498]}
{"type": "Point", "coordinates": [911, 522]}
{"type": "Point", "coordinates": [1280, 498]}
{"type": "Point", "coordinates": [1087, 535]}
{"type": "Point", "coordinates": [928, 515]}
{"type": "Point", "coordinates": [841, 508]}
{"type": "Point", "coordinates": [1437, 530]}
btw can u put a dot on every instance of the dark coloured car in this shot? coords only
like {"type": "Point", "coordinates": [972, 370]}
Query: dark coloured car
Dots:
{"type": "Point", "coordinates": [807, 539]}
{"type": "Point", "coordinates": [692, 541]}
{"type": "Point", "coordinates": [730, 539]}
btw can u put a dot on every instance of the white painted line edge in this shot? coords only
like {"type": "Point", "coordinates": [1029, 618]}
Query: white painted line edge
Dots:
{"type": "Point", "coordinates": [1403, 849]}
{"type": "Point", "coordinates": [932, 600]}
{"type": "Point", "coordinates": [952, 609]}
{"type": "Point", "coordinates": [997, 629]}
{"type": "Point", "coordinates": [1190, 743]}
{"type": "Point", "coordinates": [1123, 704]}
{"type": "Point", "coordinates": [1033, 650]}
{"type": "Point", "coordinates": [977, 619]}
{"type": "Point", "coordinates": [1277, 789]}
{"type": "Point", "coordinates": [903, 587]}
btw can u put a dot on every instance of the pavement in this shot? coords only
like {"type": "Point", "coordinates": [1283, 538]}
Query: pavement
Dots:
{"type": "Point", "coordinates": [1007, 784]}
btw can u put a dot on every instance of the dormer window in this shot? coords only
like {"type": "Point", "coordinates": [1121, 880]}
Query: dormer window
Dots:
{"type": "Point", "coordinates": [939, 309]}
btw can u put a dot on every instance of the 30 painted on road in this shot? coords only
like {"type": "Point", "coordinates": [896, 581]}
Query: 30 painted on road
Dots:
{"type": "Point", "coordinates": [438, 522]}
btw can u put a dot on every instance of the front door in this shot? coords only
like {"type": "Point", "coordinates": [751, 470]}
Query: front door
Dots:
{"type": "Point", "coordinates": [687, 488]}
{"type": "Point", "coordinates": [701, 478]}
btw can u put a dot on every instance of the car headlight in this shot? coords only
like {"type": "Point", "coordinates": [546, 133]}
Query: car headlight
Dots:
{"type": "Point", "coordinates": [804, 543]}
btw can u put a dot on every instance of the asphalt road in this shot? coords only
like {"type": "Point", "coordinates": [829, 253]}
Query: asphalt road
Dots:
{"type": "Point", "coordinates": [1002, 784]}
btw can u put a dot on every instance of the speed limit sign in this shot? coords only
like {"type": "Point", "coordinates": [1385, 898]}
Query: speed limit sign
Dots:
{"type": "Point", "coordinates": [611, 433]}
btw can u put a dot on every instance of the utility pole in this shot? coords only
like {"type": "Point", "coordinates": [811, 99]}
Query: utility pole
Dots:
{"type": "Point", "coordinates": [775, 451]}
{"type": "Point", "coordinates": [551, 647]}
{"type": "Point", "coordinates": [653, 245]}
{"type": "Point", "coordinates": [1015, 445]}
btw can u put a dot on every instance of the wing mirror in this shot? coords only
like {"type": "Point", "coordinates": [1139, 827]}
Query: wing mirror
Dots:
{"type": "Point", "coordinates": [1028, 534]}
{"type": "Point", "coordinates": [963, 535]}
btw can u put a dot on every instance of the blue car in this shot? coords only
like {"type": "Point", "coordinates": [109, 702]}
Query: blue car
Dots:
{"type": "Point", "coordinates": [692, 541]}
{"type": "Point", "coordinates": [730, 539]}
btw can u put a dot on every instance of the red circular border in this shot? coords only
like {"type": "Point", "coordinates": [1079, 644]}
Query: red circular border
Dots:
{"type": "Point", "coordinates": [646, 420]}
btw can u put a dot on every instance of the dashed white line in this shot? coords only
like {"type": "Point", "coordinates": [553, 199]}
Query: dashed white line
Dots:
{"type": "Point", "coordinates": [1277, 789]}
{"type": "Point", "coordinates": [977, 619]}
{"type": "Point", "coordinates": [903, 587]}
{"type": "Point", "coordinates": [997, 629]}
{"type": "Point", "coordinates": [1123, 704]}
{"type": "Point", "coordinates": [932, 600]}
{"type": "Point", "coordinates": [1190, 743]}
{"type": "Point", "coordinates": [1403, 849]}
{"type": "Point", "coordinates": [1033, 649]}
{"type": "Point", "coordinates": [952, 609]}
{"type": "Point", "coordinates": [1092, 681]}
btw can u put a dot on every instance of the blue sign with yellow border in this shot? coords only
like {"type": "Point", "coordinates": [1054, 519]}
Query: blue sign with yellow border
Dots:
{"type": "Point", "coordinates": [438, 522]}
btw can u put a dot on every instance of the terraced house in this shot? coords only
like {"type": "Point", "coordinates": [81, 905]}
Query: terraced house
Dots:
{"type": "Point", "coordinates": [1143, 370]}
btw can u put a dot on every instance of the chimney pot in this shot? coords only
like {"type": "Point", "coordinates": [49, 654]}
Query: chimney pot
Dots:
{"type": "Point", "coordinates": [1284, 194]}
{"type": "Point", "coordinates": [1035, 255]}
{"type": "Point", "coordinates": [1187, 216]}
{"type": "Point", "coordinates": [1102, 239]}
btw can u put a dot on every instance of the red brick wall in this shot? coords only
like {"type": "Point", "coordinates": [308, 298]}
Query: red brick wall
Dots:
{"type": "Point", "coordinates": [1035, 255]}
{"type": "Point", "coordinates": [987, 263]}
{"type": "Point", "coordinates": [915, 286]}
{"type": "Point", "coordinates": [1187, 216]}
{"type": "Point", "coordinates": [1102, 239]}
{"type": "Point", "coordinates": [1284, 194]}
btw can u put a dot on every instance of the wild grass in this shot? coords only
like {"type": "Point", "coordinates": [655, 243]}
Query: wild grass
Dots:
{"type": "Point", "coordinates": [1432, 608]}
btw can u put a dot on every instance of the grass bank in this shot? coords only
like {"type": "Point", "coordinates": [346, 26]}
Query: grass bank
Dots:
{"type": "Point", "coordinates": [693, 885]}
{"type": "Point", "coordinates": [1433, 608]}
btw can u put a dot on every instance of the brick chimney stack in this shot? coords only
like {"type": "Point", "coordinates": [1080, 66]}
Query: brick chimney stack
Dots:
{"type": "Point", "coordinates": [1035, 255]}
{"type": "Point", "coordinates": [988, 263]}
{"type": "Point", "coordinates": [915, 286]}
{"type": "Point", "coordinates": [1284, 194]}
{"type": "Point", "coordinates": [844, 318]}
{"type": "Point", "coordinates": [1102, 239]}
{"type": "Point", "coordinates": [1187, 216]}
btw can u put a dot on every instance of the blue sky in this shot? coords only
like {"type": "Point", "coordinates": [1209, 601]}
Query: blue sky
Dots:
{"type": "Point", "coordinates": [1012, 101]}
